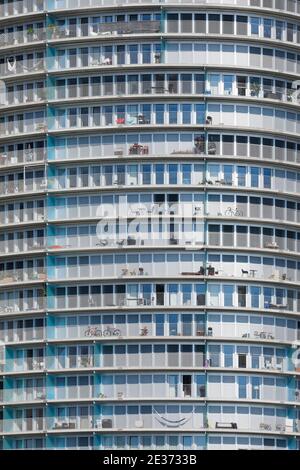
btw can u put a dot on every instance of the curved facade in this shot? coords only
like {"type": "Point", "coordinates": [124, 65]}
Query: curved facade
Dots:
{"type": "Point", "coordinates": [149, 224]}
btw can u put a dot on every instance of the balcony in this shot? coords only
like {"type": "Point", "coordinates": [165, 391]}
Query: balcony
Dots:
{"type": "Point", "coordinates": [22, 275]}
{"type": "Point", "coordinates": [12, 66]}
{"type": "Point", "coordinates": [254, 92]}
{"type": "Point", "coordinates": [24, 425]}
{"type": "Point", "coordinates": [98, 60]}
{"type": "Point", "coordinates": [28, 36]}
{"type": "Point", "coordinates": [17, 395]}
{"type": "Point", "coordinates": [183, 358]}
{"type": "Point", "coordinates": [93, 242]}
{"type": "Point", "coordinates": [25, 365]}
{"type": "Point", "coordinates": [22, 245]}
{"type": "Point", "coordinates": [17, 217]}
{"type": "Point", "coordinates": [25, 334]}
{"type": "Point", "coordinates": [70, 4]}
{"type": "Point", "coordinates": [241, 361]}
{"type": "Point", "coordinates": [20, 7]}
{"type": "Point", "coordinates": [50, 362]}
{"type": "Point", "coordinates": [23, 127]}
{"type": "Point", "coordinates": [23, 186]}
{"type": "Point", "coordinates": [136, 330]}
{"type": "Point", "coordinates": [16, 306]}
{"type": "Point", "coordinates": [21, 157]}
{"type": "Point", "coordinates": [152, 421]}
{"type": "Point", "coordinates": [105, 29]}
{"type": "Point", "coordinates": [131, 176]}
{"type": "Point", "coordinates": [24, 97]}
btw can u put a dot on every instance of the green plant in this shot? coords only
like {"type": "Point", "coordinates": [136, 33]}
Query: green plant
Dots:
{"type": "Point", "coordinates": [53, 29]}
{"type": "Point", "coordinates": [289, 93]}
{"type": "Point", "coordinates": [255, 89]}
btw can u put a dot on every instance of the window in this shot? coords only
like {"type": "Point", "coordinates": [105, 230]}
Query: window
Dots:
{"type": "Point", "coordinates": [228, 24]}
{"type": "Point", "coordinates": [242, 291]}
{"type": "Point", "coordinates": [254, 24]}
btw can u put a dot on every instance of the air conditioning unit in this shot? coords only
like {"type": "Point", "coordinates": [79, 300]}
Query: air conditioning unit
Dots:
{"type": "Point", "coordinates": [106, 423]}
{"type": "Point", "coordinates": [40, 396]}
{"type": "Point", "coordinates": [139, 424]}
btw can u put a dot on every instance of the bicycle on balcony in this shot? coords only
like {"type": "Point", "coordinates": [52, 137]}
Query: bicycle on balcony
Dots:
{"type": "Point", "coordinates": [233, 212]}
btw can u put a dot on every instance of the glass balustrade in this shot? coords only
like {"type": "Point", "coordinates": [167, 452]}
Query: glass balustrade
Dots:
{"type": "Point", "coordinates": [22, 275]}
{"type": "Point", "coordinates": [83, 301]}
{"type": "Point", "coordinates": [93, 268]}
{"type": "Point", "coordinates": [105, 29]}
{"type": "Point", "coordinates": [18, 425]}
{"type": "Point", "coordinates": [127, 386]}
{"type": "Point", "coordinates": [21, 216]}
{"type": "Point", "coordinates": [23, 186]}
{"type": "Point", "coordinates": [11, 306]}
{"type": "Point", "coordinates": [12, 66]}
{"type": "Point", "coordinates": [291, 6]}
{"type": "Point", "coordinates": [87, 329]}
{"type": "Point", "coordinates": [189, 421]}
{"type": "Point", "coordinates": [24, 394]}
{"type": "Point", "coordinates": [114, 91]}
{"type": "Point", "coordinates": [10, 158]}
{"type": "Point", "coordinates": [148, 175]}
{"type": "Point", "coordinates": [19, 7]}
{"type": "Point", "coordinates": [36, 125]}
{"type": "Point", "coordinates": [27, 36]}
{"type": "Point", "coordinates": [25, 334]}
{"type": "Point", "coordinates": [94, 60]}
{"type": "Point", "coordinates": [187, 417]}
{"type": "Point", "coordinates": [22, 245]}
{"type": "Point", "coordinates": [15, 98]}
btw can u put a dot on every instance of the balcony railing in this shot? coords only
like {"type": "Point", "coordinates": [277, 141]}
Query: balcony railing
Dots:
{"type": "Point", "coordinates": [22, 37]}
{"type": "Point", "coordinates": [22, 275]}
{"type": "Point", "coordinates": [49, 362]}
{"type": "Point", "coordinates": [21, 216]}
{"type": "Point", "coordinates": [147, 88]}
{"type": "Point", "coordinates": [23, 127]}
{"type": "Point", "coordinates": [19, 7]}
{"type": "Point", "coordinates": [105, 29]}
{"type": "Point", "coordinates": [15, 98]}
{"type": "Point", "coordinates": [153, 421]}
{"type": "Point", "coordinates": [10, 306]}
{"type": "Point", "coordinates": [172, 269]}
{"type": "Point", "coordinates": [19, 157]}
{"type": "Point", "coordinates": [99, 60]}
{"type": "Point", "coordinates": [114, 393]}
{"type": "Point", "coordinates": [23, 186]}
{"type": "Point", "coordinates": [65, 4]}
{"type": "Point", "coordinates": [90, 362]}
{"type": "Point", "coordinates": [23, 334]}
{"type": "Point", "coordinates": [120, 90]}
{"type": "Point", "coordinates": [16, 67]}
{"type": "Point", "coordinates": [129, 179]}
{"type": "Point", "coordinates": [19, 365]}
{"type": "Point", "coordinates": [19, 425]}
{"type": "Point", "coordinates": [261, 362]}
{"type": "Point", "coordinates": [133, 175]}
{"type": "Point", "coordinates": [24, 394]}
{"type": "Point", "coordinates": [22, 245]}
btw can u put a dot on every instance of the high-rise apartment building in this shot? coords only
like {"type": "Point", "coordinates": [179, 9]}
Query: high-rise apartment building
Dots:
{"type": "Point", "coordinates": [149, 224]}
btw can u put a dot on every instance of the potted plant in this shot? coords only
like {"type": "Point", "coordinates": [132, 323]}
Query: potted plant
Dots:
{"type": "Point", "coordinates": [289, 94]}
{"type": "Point", "coordinates": [30, 33]}
{"type": "Point", "coordinates": [53, 30]}
{"type": "Point", "coordinates": [255, 89]}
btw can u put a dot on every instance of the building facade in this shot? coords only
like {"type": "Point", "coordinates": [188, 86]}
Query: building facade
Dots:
{"type": "Point", "coordinates": [149, 224]}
